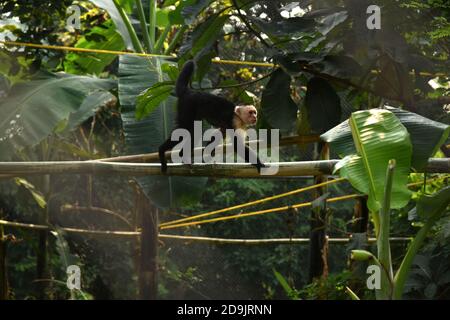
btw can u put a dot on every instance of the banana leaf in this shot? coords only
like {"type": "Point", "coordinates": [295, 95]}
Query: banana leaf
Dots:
{"type": "Point", "coordinates": [379, 136]}
{"type": "Point", "coordinates": [426, 136]}
{"type": "Point", "coordinates": [34, 109]}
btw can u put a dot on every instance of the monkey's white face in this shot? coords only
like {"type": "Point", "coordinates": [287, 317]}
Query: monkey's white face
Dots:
{"type": "Point", "coordinates": [248, 114]}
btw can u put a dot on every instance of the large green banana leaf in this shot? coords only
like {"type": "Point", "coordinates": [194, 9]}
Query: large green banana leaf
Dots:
{"type": "Point", "coordinates": [379, 136]}
{"type": "Point", "coordinates": [426, 136]}
{"type": "Point", "coordinates": [137, 74]}
{"type": "Point", "coordinates": [34, 109]}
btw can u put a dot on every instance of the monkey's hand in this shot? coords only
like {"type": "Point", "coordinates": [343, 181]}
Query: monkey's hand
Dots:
{"type": "Point", "coordinates": [163, 166]}
{"type": "Point", "coordinates": [260, 165]}
{"type": "Point", "coordinates": [162, 157]}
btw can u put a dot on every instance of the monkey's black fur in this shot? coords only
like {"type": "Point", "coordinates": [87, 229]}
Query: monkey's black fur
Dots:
{"type": "Point", "coordinates": [197, 105]}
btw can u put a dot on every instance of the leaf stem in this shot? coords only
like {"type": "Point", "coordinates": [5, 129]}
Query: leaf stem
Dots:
{"type": "Point", "coordinates": [159, 44]}
{"type": "Point", "coordinates": [152, 22]}
{"type": "Point", "coordinates": [134, 38]}
{"type": "Point", "coordinates": [176, 39]}
{"type": "Point", "coordinates": [143, 23]}
{"type": "Point", "coordinates": [384, 250]}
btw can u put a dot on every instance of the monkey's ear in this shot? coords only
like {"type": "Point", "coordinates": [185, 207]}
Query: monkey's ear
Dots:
{"type": "Point", "coordinates": [237, 109]}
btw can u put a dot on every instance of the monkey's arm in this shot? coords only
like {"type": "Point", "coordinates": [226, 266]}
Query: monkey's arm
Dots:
{"type": "Point", "coordinates": [250, 155]}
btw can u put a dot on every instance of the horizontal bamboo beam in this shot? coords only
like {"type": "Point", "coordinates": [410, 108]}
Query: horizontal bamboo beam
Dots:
{"type": "Point", "coordinates": [154, 157]}
{"type": "Point", "coordinates": [270, 241]}
{"type": "Point", "coordinates": [242, 170]}
{"type": "Point", "coordinates": [236, 170]}
{"type": "Point", "coordinates": [189, 238]}
{"type": "Point", "coordinates": [69, 230]}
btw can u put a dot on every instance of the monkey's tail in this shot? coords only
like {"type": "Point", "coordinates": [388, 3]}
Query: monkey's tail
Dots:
{"type": "Point", "coordinates": [183, 79]}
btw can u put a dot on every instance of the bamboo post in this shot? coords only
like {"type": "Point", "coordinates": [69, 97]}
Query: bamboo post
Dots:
{"type": "Point", "coordinates": [318, 246]}
{"type": "Point", "coordinates": [135, 245]}
{"type": "Point", "coordinates": [360, 215]}
{"type": "Point", "coordinates": [148, 286]}
{"type": "Point", "coordinates": [3, 274]}
{"type": "Point", "coordinates": [42, 271]}
{"type": "Point", "coordinates": [359, 230]}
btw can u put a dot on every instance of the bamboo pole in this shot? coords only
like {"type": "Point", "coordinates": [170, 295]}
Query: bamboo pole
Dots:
{"type": "Point", "coordinates": [318, 246]}
{"type": "Point", "coordinates": [359, 229]}
{"type": "Point", "coordinates": [229, 170]}
{"type": "Point", "coordinates": [69, 230]}
{"type": "Point", "coordinates": [3, 274]}
{"type": "Point", "coordinates": [191, 238]}
{"type": "Point", "coordinates": [275, 241]}
{"type": "Point", "coordinates": [148, 285]}
{"type": "Point", "coordinates": [42, 254]}
{"type": "Point", "coordinates": [154, 157]}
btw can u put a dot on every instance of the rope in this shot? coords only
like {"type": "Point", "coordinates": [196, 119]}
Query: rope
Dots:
{"type": "Point", "coordinates": [278, 196]}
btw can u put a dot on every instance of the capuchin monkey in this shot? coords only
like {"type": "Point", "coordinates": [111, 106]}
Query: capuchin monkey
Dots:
{"type": "Point", "coordinates": [219, 112]}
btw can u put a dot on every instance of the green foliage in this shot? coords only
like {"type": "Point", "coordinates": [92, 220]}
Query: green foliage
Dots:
{"type": "Point", "coordinates": [187, 11]}
{"type": "Point", "coordinates": [290, 292]}
{"type": "Point", "coordinates": [331, 288]}
{"type": "Point", "coordinates": [88, 108]}
{"type": "Point", "coordinates": [37, 195]}
{"type": "Point", "coordinates": [120, 23]}
{"type": "Point", "coordinates": [429, 277]}
{"type": "Point", "coordinates": [431, 208]}
{"type": "Point", "coordinates": [203, 37]}
{"type": "Point", "coordinates": [289, 27]}
{"type": "Point", "coordinates": [325, 39]}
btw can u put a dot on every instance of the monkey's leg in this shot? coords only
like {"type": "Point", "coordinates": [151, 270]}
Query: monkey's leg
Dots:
{"type": "Point", "coordinates": [167, 145]}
